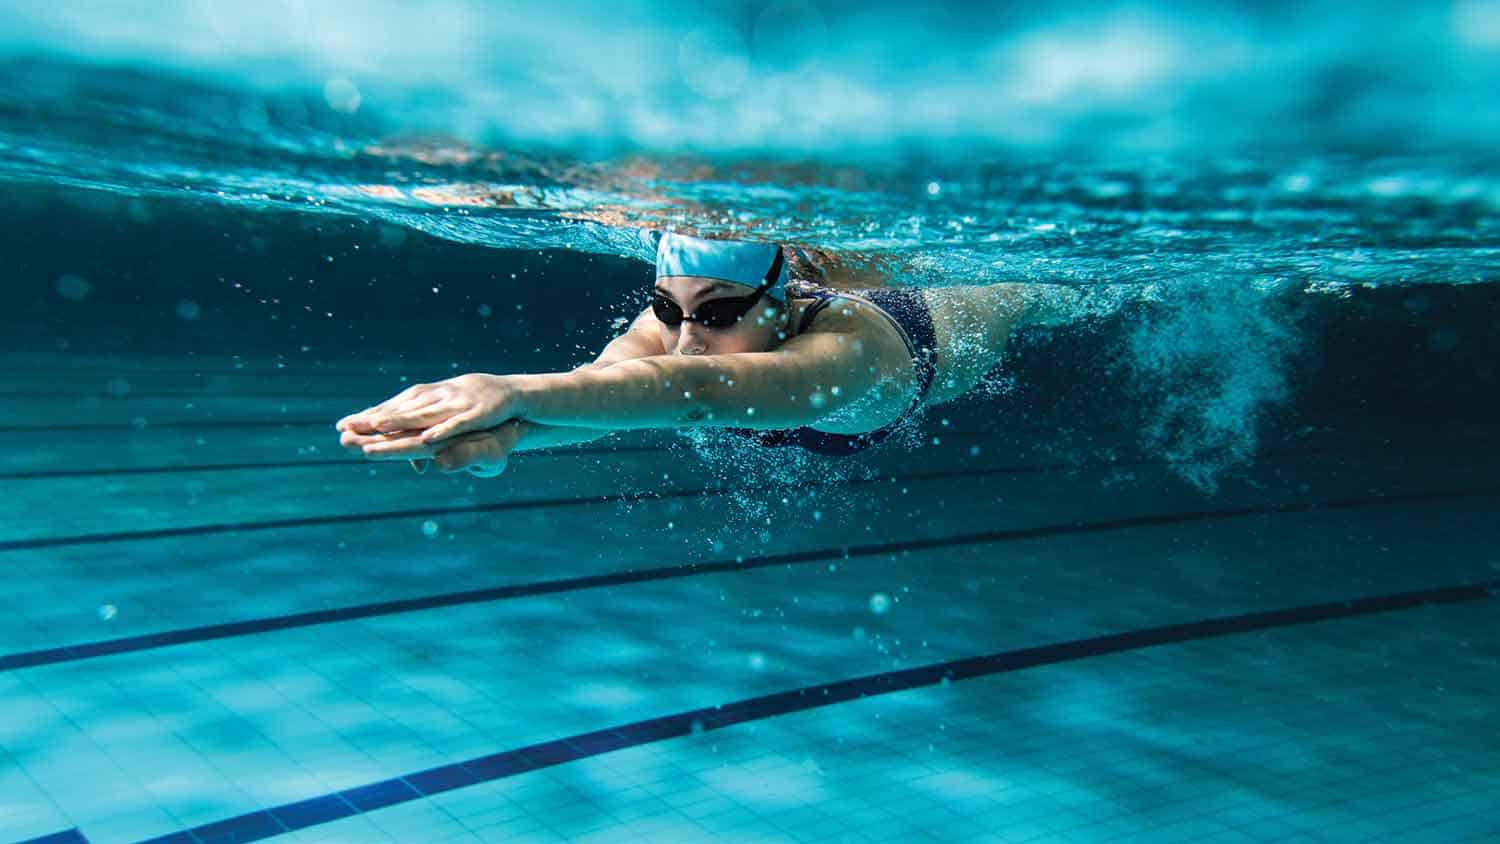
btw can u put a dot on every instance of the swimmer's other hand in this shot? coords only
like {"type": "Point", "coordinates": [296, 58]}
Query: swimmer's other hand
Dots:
{"type": "Point", "coordinates": [480, 453]}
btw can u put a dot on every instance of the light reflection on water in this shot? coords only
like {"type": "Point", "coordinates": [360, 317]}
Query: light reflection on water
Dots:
{"type": "Point", "coordinates": [1073, 145]}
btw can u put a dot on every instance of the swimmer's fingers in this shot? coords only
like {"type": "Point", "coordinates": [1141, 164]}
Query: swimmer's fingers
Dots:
{"type": "Point", "coordinates": [463, 423]}
{"type": "Point", "coordinates": [359, 421]}
{"type": "Point", "coordinates": [404, 446]}
{"type": "Point", "coordinates": [363, 422]}
{"type": "Point", "coordinates": [376, 419]}
{"type": "Point", "coordinates": [418, 417]}
{"type": "Point", "coordinates": [356, 443]}
{"type": "Point", "coordinates": [356, 422]}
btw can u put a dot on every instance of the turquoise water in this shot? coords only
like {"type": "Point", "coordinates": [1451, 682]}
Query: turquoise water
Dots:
{"type": "Point", "coordinates": [1208, 557]}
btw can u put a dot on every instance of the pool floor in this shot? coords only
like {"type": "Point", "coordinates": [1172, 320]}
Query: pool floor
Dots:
{"type": "Point", "coordinates": [218, 628]}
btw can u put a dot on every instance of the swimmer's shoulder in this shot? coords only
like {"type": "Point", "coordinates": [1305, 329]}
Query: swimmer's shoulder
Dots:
{"type": "Point", "coordinates": [846, 313]}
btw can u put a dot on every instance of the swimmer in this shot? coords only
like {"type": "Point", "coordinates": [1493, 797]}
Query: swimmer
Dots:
{"type": "Point", "coordinates": [730, 341]}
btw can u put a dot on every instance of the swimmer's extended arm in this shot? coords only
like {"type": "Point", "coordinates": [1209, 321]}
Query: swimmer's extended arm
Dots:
{"type": "Point", "coordinates": [809, 378]}
{"type": "Point", "coordinates": [488, 449]}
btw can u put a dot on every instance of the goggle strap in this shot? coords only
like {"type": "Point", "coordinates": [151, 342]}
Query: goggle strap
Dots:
{"type": "Point", "coordinates": [773, 273]}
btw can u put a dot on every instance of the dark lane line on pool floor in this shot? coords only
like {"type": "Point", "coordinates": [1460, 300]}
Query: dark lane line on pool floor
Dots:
{"type": "Point", "coordinates": [373, 371]}
{"type": "Point", "coordinates": [106, 396]}
{"type": "Point", "coordinates": [219, 424]}
{"type": "Point", "coordinates": [68, 836]}
{"type": "Point", "coordinates": [190, 468]}
{"type": "Point", "coordinates": [177, 425]}
{"type": "Point", "coordinates": [169, 638]}
{"type": "Point", "coordinates": [47, 474]}
{"type": "Point", "coordinates": [490, 507]}
{"type": "Point", "coordinates": [290, 817]}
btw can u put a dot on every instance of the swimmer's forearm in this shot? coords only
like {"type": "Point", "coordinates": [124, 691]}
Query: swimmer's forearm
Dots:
{"type": "Point", "coordinates": [534, 436]}
{"type": "Point", "coordinates": [668, 392]}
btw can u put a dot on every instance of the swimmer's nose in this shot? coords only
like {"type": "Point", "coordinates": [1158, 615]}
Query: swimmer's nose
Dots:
{"type": "Point", "coordinates": [691, 341]}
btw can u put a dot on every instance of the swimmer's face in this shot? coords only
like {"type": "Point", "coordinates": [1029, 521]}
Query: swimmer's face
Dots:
{"type": "Point", "coordinates": [759, 330]}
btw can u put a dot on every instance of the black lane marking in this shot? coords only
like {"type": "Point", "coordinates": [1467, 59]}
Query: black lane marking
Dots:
{"type": "Point", "coordinates": [357, 460]}
{"type": "Point", "coordinates": [150, 641]}
{"type": "Point", "coordinates": [178, 425]}
{"type": "Point", "coordinates": [269, 823]}
{"type": "Point", "coordinates": [67, 836]}
{"type": "Point", "coordinates": [46, 474]}
{"type": "Point", "coordinates": [327, 423]}
{"type": "Point", "coordinates": [492, 507]}
{"type": "Point", "coordinates": [102, 395]}
{"type": "Point", "coordinates": [374, 371]}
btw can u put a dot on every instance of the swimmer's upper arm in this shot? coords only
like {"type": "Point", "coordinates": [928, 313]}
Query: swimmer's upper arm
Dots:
{"type": "Point", "coordinates": [808, 379]}
{"type": "Point", "coordinates": [642, 339]}
{"type": "Point", "coordinates": [838, 367]}
{"type": "Point", "coordinates": [811, 378]}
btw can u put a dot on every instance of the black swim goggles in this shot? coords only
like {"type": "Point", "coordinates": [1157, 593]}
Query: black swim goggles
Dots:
{"type": "Point", "coordinates": [715, 313]}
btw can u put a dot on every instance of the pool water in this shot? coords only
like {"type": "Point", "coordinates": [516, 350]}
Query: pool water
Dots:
{"type": "Point", "coordinates": [1210, 557]}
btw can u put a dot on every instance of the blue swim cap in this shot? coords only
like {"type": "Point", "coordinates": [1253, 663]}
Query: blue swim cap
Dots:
{"type": "Point", "coordinates": [737, 261]}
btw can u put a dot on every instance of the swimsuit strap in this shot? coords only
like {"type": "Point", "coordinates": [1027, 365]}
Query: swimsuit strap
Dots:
{"type": "Point", "coordinates": [824, 300]}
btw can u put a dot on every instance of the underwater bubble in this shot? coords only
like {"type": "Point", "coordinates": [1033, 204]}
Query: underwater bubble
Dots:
{"type": "Point", "coordinates": [1296, 182]}
{"type": "Point", "coordinates": [696, 728]}
{"type": "Point", "coordinates": [859, 634]}
{"type": "Point", "coordinates": [108, 612]}
{"type": "Point", "coordinates": [117, 387]}
{"type": "Point", "coordinates": [879, 603]}
{"type": "Point", "coordinates": [1478, 22]}
{"type": "Point", "coordinates": [188, 311]}
{"type": "Point", "coordinates": [429, 528]}
{"type": "Point", "coordinates": [342, 96]}
{"type": "Point", "coordinates": [484, 311]}
{"type": "Point", "coordinates": [73, 287]}
{"type": "Point", "coordinates": [757, 661]}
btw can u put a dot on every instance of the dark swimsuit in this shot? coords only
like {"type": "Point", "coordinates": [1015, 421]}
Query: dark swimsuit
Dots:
{"type": "Point", "coordinates": [907, 310]}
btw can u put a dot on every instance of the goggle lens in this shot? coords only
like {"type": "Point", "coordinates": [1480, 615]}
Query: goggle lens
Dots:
{"type": "Point", "coordinates": [715, 313]}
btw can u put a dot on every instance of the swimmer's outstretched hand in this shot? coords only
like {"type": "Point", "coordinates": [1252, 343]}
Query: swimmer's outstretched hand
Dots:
{"type": "Point", "coordinates": [436, 412]}
{"type": "Point", "coordinates": [481, 453]}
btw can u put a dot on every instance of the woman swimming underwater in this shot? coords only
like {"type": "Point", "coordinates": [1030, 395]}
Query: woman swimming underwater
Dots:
{"type": "Point", "coordinates": [727, 342]}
